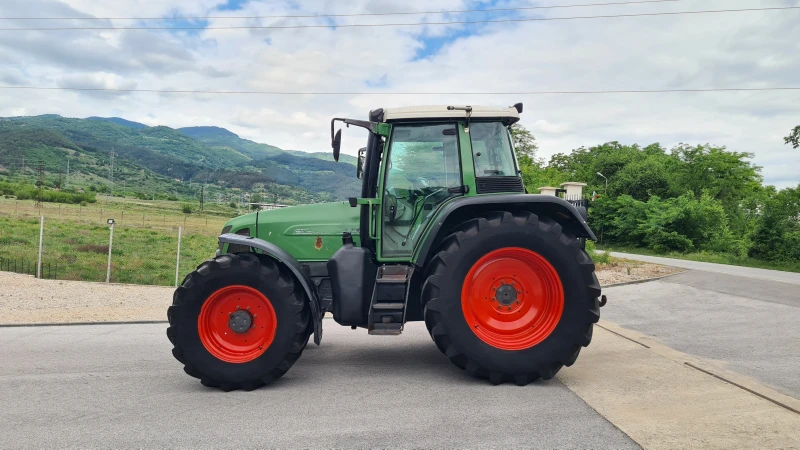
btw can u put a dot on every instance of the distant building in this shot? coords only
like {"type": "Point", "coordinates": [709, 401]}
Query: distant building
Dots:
{"type": "Point", "coordinates": [266, 206]}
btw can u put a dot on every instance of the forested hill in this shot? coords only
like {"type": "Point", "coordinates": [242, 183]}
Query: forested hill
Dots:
{"type": "Point", "coordinates": [162, 159]}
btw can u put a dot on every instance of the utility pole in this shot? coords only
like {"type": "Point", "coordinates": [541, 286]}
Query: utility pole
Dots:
{"type": "Point", "coordinates": [40, 182]}
{"type": "Point", "coordinates": [111, 173]}
{"type": "Point", "coordinates": [202, 192]}
{"type": "Point", "coordinates": [67, 183]}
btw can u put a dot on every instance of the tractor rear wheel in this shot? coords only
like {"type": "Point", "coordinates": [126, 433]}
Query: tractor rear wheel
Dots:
{"type": "Point", "coordinates": [238, 322]}
{"type": "Point", "coordinates": [511, 297]}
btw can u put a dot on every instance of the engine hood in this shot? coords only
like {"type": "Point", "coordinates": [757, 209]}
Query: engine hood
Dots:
{"type": "Point", "coordinates": [308, 232]}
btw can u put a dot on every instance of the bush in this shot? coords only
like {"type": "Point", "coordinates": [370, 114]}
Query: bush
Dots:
{"type": "Point", "coordinates": [599, 257]}
{"type": "Point", "coordinates": [187, 209]}
{"type": "Point", "coordinates": [679, 224]}
{"type": "Point", "coordinates": [232, 204]}
{"type": "Point", "coordinates": [777, 237]}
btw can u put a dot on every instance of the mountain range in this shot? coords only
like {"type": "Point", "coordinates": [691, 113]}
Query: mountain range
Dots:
{"type": "Point", "coordinates": [150, 160]}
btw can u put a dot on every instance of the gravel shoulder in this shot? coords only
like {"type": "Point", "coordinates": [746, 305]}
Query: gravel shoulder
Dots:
{"type": "Point", "coordinates": [24, 299]}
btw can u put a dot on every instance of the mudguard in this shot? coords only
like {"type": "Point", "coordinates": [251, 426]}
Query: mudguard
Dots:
{"type": "Point", "coordinates": [465, 208]}
{"type": "Point", "coordinates": [280, 255]}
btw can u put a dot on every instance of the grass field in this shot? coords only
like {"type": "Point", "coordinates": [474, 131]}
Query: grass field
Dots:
{"type": "Point", "coordinates": [158, 214]}
{"type": "Point", "coordinates": [76, 250]}
{"type": "Point", "coordinates": [718, 258]}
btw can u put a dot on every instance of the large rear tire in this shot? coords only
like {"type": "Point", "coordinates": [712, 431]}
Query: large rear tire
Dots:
{"type": "Point", "coordinates": [511, 297]}
{"type": "Point", "coordinates": [238, 322]}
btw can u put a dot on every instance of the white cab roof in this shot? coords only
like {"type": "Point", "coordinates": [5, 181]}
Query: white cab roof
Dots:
{"type": "Point", "coordinates": [441, 112]}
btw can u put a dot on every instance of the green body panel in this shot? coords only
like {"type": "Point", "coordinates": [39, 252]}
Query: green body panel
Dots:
{"type": "Point", "coordinates": [245, 221]}
{"type": "Point", "coordinates": [467, 162]}
{"type": "Point", "coordinates": [307, 232]}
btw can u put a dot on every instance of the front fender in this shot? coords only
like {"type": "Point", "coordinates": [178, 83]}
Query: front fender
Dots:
{"type": "Point", "coordinates": [280, 255]}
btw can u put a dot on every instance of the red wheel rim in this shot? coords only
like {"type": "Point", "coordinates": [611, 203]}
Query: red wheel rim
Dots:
{"type": "Point", "coordinates": [512, 298]}
{"type": "Point", "coordinates": [233, 308]}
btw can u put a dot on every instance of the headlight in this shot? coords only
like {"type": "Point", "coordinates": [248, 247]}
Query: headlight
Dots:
{"type": "Point", "coordinates": [236, 248]}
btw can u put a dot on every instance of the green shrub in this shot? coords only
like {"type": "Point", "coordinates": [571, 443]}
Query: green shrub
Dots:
{"type": "Point", "coordinates": [187, 208]}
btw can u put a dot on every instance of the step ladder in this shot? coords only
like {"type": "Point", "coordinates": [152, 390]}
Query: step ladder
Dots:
{"type": "Point", "coordinates": [387, 311]}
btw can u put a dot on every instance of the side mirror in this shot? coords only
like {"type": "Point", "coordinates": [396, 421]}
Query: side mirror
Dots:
{"type": "Point", "coordinates": [360, 166]}
{"type": "Point", "coordinates": [337, 145]}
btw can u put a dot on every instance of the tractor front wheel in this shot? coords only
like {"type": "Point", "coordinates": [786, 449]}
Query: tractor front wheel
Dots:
{"type": "Point", "coordinates": [238, 322]}
{"type": "Point", "coordinates": [511, 297]}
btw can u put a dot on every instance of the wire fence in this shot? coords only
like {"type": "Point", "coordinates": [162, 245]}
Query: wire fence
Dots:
{"type": "Point", "coordinates": [99, 213]}
{"type": "Point", "coordinates": [72, 250]}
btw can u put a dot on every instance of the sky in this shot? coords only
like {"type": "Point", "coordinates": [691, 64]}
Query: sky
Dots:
{"type": "Point", "coordinates": [702, 51]}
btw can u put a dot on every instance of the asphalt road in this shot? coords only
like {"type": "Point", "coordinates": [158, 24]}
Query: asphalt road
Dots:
{"type": "Point", "coordinates": [742, 318]}
{"type": "Point", "coordinates": [118, 386]}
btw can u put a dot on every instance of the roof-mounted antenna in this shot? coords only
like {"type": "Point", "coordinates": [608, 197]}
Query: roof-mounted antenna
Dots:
{"type": "Point", "coordinates": [468, 109]}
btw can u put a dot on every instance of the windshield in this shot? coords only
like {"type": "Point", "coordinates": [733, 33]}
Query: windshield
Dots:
{"type": "Point", "coordinates": [491, 150]}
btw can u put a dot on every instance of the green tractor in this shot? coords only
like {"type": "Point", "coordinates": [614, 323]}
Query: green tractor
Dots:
{"type": "Point", "coordinates": [444, 232]}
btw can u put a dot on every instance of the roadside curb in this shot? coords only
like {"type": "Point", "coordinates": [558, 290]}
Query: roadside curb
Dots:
{"type": "Point", "coordinates": [69, 324]}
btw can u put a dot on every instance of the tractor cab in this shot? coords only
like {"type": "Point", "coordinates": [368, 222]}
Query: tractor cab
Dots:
{"type": "Point", "coordinates": [418, 158]}
{"type": "Point", "coordinates": [443, 232]}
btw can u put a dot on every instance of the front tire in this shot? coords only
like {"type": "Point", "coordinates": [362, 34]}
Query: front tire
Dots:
{"type": "Point", "coordinates": [238, 322]}
{"type": "Point", "coordinates": [511, 297]}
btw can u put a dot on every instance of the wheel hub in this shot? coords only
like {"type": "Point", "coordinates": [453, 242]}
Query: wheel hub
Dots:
{"type": "Point", "coordinates": [240, 321]}
{"type": "Point", "coordinates": [506, 294]}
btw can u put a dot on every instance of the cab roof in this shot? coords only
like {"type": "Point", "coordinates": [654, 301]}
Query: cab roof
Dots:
{"type": "Point", "coordinates": [509, 115]}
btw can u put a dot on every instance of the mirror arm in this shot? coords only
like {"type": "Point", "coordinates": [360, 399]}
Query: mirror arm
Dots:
{"type": "Point", "coordinates": [371, 126]}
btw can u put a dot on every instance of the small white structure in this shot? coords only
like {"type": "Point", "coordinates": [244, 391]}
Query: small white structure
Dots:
{"type": "Point", "coordinates": [266, 206]}
{"type": "Point", "coordinates": [573, 190]}
{"type": "Point", "coordinates": [548, 190]}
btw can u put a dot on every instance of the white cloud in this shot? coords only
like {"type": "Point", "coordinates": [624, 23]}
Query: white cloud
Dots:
{"type": "Point", "coordinates": [757, 49]}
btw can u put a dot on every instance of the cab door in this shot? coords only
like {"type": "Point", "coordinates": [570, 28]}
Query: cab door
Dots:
{"type": "Point", "coordinates": [421, 171]}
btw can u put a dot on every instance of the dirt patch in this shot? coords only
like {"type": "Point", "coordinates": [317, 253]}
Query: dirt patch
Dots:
{"type": "Point", "coordinates": [93, 248]}
{"type": "Point", "coordinates": [24, 299]}
{"type": "Point", "coordinates": [627, 271]}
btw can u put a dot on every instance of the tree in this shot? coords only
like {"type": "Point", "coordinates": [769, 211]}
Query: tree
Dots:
{"type": "Point", "coordinates": [725, 175]}
{"type": "Point", "coordinates": [793, 137]}
{"type": "Point", "coordinates": [525, 144]}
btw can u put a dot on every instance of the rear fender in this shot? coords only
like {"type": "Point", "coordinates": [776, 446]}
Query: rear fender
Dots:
{"type": "Point", "coordinates": [280, 255]}
{"type": "Point", "coordinates": [464, 208]}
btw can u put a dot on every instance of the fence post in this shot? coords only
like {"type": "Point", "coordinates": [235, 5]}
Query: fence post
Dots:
{"type": "Point", "coordinates": [110, 242]}
{"type": "Point", "coordinates": [39, 261]}
{"type": "Point", "coordinates": [178, 263]}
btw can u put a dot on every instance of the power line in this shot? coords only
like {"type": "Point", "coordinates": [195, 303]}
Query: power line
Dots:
{"type": "Point", "coordinates": [406, 13]}
{"type": "Point", "coordinates": [180, 91]}
{"type": "Point", "coordinates": [462, 22]}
